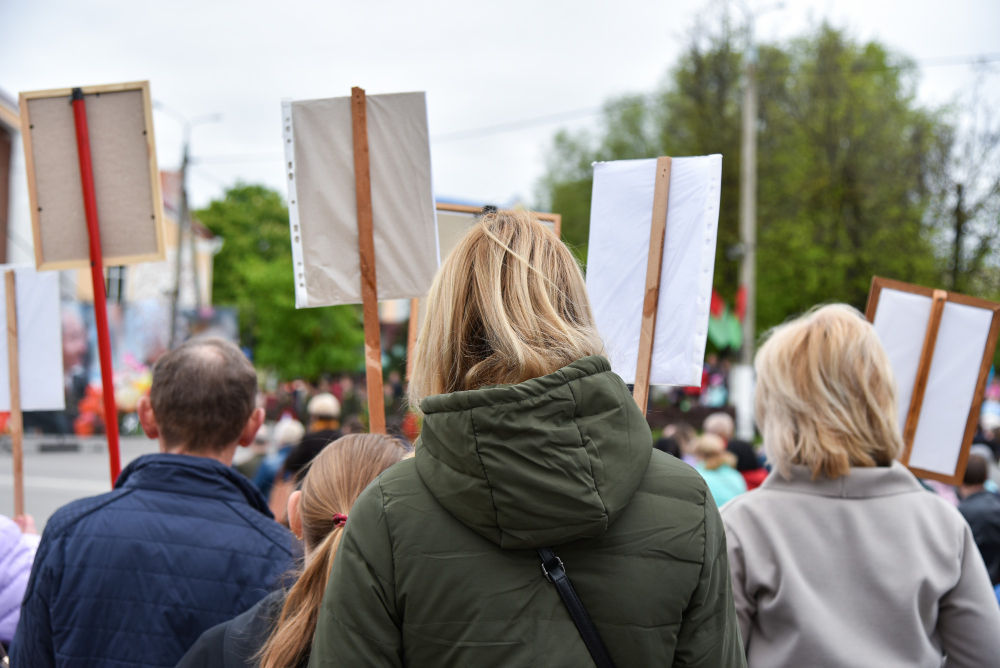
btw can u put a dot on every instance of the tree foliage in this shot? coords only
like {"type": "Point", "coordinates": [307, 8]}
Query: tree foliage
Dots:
{"type": "Point", "coordinates": [254, 273]}
{"type": "Point", "coordinates": [846, 158]}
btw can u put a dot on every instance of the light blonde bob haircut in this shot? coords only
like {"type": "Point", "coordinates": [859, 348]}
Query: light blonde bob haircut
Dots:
{"type": "Point", "coordinates": [507, 305]}
{"type": "Point", "coordinates": [826, 395]}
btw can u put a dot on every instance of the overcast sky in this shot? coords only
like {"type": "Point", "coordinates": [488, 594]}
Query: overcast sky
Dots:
{"type": "Point", "coordinates": [481, 64]}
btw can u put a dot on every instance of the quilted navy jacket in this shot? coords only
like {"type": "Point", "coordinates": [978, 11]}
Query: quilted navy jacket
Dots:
{"type": "Point", "coordinates": [134, 576]}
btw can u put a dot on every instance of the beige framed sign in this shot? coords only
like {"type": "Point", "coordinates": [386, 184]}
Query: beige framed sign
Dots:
{"type": "Point", "coordinates": [940, 345]}
{"type": "Point", "coordinates": [126, 176]}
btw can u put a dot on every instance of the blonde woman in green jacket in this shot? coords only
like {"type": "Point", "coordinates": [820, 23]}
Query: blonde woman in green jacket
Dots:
{"type": "Point", "coordinates": [529, 441]}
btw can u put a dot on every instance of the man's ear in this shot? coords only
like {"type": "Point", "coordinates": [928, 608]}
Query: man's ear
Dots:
{"type": "Point", "coordinates": [144, 408]}
{"type": "Point", "coordinates": [253, 426]}
{"type": "Point", "coordinates": [294, 516]}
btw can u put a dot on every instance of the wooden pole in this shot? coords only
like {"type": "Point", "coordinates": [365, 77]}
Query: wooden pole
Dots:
{"type": "Point", "coordinates": [413, 328]}
{"type": "Point", "coordinates": [923, 371]}
{"type": "Point", "coordinates": [14, 374]}
{"type": "Point", "coordinates": [657, 238]}
{"type": "Point", "coordinates": [366, 248]}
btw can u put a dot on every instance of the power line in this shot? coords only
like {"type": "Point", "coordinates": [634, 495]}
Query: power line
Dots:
{"type": "Point", "coordinates": [587, 112]}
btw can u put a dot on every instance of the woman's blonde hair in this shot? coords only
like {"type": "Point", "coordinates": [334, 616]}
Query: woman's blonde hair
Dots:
{"type": "Point", "coordinates": [826, 395]}
{"type": "Point", "coordinates": [331, 485]}
{"type": "Point", "coordinates": [711, 449]}
{"type": "Point", "coordinates": [508, 304]}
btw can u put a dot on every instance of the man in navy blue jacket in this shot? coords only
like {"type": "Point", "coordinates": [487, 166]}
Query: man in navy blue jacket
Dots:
{"type": "Point", "coordinates": [183, 542]}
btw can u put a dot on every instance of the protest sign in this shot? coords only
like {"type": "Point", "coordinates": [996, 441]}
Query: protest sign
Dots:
{"type": "Point", "coordinates": [650, 263]}
{"type": "Point", "coordinates": [940, 345]}
{"type": "Point", "coordinates": [94, 188]}
{"type": "Point", "coordinates": [361, 208]}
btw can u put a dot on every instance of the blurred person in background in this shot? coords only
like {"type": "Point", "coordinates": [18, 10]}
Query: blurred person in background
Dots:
{"type": "Point", "coordinates": [669, 446]}
{"type": "Point", "coordinates": [747, 463]}
{"type": "Point", "coordinates": [685, 435]}
{"type": "Point", "coordinates": [529, 441]}
{"type": "Point", "coordinates": [841, 558]}
{"type": "Point", "coordinates": [721, 424]}
{"type": "Point", "coordinates": [718, 467]}
{"type": "Point", "coordinates": [324, 428]}
{"type": "Point", "coordinates": [18, 544]}
{"type": "Point", "coordinates": [183, 542]}
{"type": "Point", "coordinates": [981, 509]}
{"type": "Point", "coordinates": [287, 434]}
{"type": "Point", "coordinates": [278, 631]}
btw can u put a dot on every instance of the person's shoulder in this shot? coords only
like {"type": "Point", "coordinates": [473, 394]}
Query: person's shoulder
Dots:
{"type": "Point", "coordinates": [69, 517]}
{"type": "Point", "coordinates": [399, 474]}
{"type": "Point", "coordinates": [673, 480]}
{"type": "Point", "coordinates": [266, 527]}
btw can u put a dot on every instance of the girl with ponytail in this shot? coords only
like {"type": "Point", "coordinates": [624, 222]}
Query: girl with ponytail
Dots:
{"type": "Point", "coordinates": [278, 631]}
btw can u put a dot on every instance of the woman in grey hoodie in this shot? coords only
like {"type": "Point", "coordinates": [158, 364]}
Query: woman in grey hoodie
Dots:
{"type": "Point", "coordinates": [841, 558]}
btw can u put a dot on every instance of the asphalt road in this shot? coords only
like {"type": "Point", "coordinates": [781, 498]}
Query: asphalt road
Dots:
{"type": "Point", "coordinates": [53, 479]}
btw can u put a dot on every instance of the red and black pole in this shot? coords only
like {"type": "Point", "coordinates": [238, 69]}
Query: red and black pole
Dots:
{"type": "Point", "coordinates": [97, 274]}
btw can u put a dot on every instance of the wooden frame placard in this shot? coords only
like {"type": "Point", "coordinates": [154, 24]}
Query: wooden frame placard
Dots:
{"type": "Point", "coordinates": [126, 175]}
{"type": "Point", "coordinates": [554, 218]}
{"type": "Point", "coordinates": [14, 375]}
{"type": "Point", "coordinates": [654, 265]}
{"type": "Point", "coordinates": [939, 299]}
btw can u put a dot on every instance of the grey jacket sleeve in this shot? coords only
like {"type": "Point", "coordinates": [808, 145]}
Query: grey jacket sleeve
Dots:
{"type": "Point", "coordinates": [358, 622]}
{"type": "Point", "coordinates": [709, 636]}
{"type": "Point", "coordinates": [968, 615]}
{"type": "Point", "coordinates": [746, 606]}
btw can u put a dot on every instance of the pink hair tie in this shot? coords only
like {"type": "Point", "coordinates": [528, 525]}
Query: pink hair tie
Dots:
{"type": "Point", "coordinates": [339, 520]}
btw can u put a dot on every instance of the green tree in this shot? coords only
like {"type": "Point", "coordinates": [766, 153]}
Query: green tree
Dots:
{"type": "Point", "coordinates": [844, 158]}
{"type": "Point", "coordinates": [253, 272]}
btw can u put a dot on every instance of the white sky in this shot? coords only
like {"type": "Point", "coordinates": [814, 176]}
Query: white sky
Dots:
{"type": "Point", "coordinates": [482, 64]}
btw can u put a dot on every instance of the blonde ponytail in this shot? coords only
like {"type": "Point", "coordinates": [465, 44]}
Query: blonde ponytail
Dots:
{"type": "Point", "coordinates": [332, 483]}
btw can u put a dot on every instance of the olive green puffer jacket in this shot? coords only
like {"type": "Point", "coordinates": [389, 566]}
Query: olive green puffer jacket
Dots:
{"type": "Point", "coordinates": [437, 565]}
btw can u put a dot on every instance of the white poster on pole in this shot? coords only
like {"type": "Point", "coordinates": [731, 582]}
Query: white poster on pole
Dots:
{"type": "Point", "coordinates": [322, 204]}
{"type": "Point", "coordinates": [39, 340]}
{"type": "Point", "coordinates": [618, 252]}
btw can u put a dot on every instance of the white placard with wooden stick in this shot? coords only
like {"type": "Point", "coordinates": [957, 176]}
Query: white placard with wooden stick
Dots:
{"type": "Point", "coordinates": [650, 264]}
{"type": "Point", "coordinates": [361, 209]}
{"type": "Point", "coordinates": [33, 343]}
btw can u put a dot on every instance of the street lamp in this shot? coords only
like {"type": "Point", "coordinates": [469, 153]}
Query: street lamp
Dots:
{"type": "Point", "coordinates": [183, 216]}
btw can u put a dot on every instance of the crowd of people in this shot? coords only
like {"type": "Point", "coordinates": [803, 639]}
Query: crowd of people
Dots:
{"type": "Point", "coordinates": [536, 523]}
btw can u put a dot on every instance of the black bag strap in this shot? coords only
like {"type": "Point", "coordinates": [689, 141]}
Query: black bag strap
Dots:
{"type": "Point", "coordinates": [552, 567]}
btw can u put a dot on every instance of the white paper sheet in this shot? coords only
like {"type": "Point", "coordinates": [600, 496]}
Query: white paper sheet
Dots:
{"type": "Point", "coordinates": [620, 221]}
{"type": "Point", "coordinates": [319, 157]}
{"type": "Point", "coordinates": [39, 340]}
{"type": "Point", "coordinates": [901, 324]}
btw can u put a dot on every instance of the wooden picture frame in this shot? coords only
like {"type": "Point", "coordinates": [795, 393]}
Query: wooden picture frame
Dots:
{"type": "Point", "coordinates": [156, 203]}
{"type": "Point", "coordinates": [554, 218]}
{"type": "Point", "coordinates": [939, 298]}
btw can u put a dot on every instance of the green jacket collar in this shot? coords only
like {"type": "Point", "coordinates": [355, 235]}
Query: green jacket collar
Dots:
{"type": "Point", "coordinates": [543, 462]}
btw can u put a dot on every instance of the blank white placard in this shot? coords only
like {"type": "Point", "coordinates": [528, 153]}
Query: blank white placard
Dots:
{"type": "Point", "coordinates": [901, 324]}
{"type": "Point", "coordinates": [618, 251]}
{"type": "Point", "coordinates": [322, 201]}
{"type": "Point", "coordinates": [39, 340]}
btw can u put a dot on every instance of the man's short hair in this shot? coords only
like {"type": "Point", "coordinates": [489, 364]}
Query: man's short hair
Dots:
{"type": "Point", "coordinates": [720, 424]}
{"type": "Point", "coordinates": [203, 394]}
{"type": "Point", "coordinates": [975, 471]}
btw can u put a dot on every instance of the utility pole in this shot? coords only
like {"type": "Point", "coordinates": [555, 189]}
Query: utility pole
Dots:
{"type": "Point", "coordinates": [741, 379]}
{"type": "Point", "coordinates": [183, 223]}
{"type": "Point", "coordinates": [184, 215]}
{"type": "Point", "coordinates": [748, 206]}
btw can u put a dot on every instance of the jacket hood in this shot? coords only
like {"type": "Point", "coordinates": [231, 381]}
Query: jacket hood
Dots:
{"type": "Point", "coordinates": [195, 476]}
{"type": "Point", "coordinates": [540, 463]}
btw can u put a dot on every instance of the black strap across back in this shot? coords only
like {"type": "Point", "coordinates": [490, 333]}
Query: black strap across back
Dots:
{"type": "Point", "coordinates": [555, 572]}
